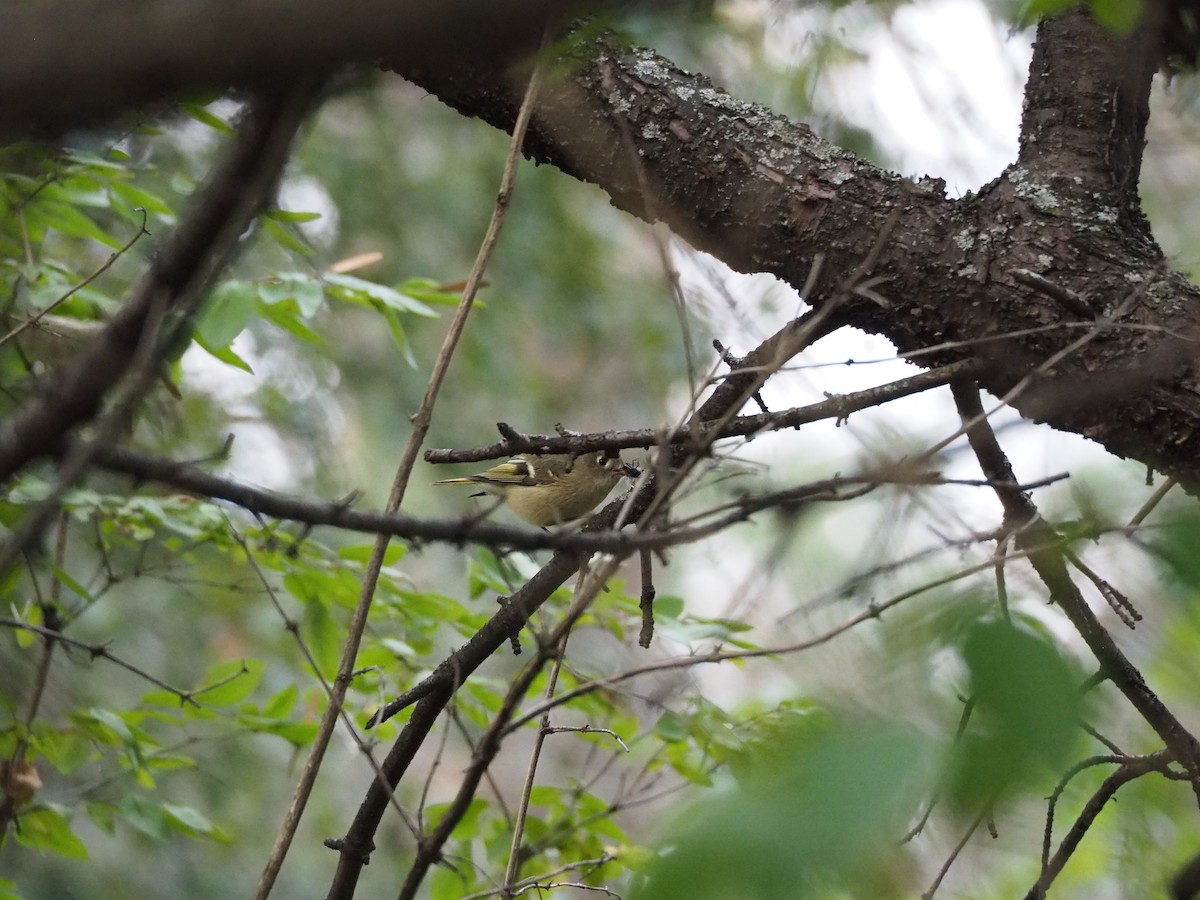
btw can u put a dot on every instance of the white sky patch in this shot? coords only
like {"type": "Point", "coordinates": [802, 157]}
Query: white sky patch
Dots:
{"type": "Point", "coordinates": [259, 454]}
{"type": "Point", "coordinates": [941, 90]}
{"type": "Point", "coordinates": [302, 193]}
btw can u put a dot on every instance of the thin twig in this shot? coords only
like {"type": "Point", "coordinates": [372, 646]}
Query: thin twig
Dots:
{"type": "Point", "coordinates": [99, 651]}
{"type": "Point", "coordinates": [352, 853]}
{"type": "Point", "coordinates": [126, 353]}
{"type": "Point", "coordinates": [539, 881]}
{"type": "Point", "coordinates": [838, 407]}
{"type": "Point", "coordinates": [535, 755]}
{"type": "Point", "coordinates": [50, 615]}
{"type": "Point", "coordinates": [1135, 767]}
{"type": "Point", "coordinates": [954, 853]}
{"type": "Point", "coordinates": [1043, 546]}
{"type": "Point", "coordinates": [1148, 507]}
{"type": "Point", "coordinates": [104, 267]}
{"type": "Point", "coordinates": [293, 628]}
{"type": "Point", "coordinates": [430, 846]}
{"type": "Point", "coordinates": [873, 611]}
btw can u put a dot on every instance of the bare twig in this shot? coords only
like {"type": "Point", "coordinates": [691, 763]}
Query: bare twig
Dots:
{"type": "Point", "coordinates": [50, 615]}
{"type": "Point", "coordinates": [873, 611]}
{"type": "Point", "coordinates": [354, 848]}
{"type": "Point", "coordinates": [104, 267]}
{"type": "Point", "coordinates": [1043, 546]}
{"type": "Point", "coordinates": [1148, 507]}
{"type": "Point", "coordinates": [293, 628]}
{"type": "Point", "coordinates": [954, 853]}
{"type": "Point", "coordinates": [518, 831]}
{"type": "Point", "coordinates": [263, 502]}
{"type": "Point", "coordinates": [99, 651]}
{"type": "Point", "coordinates": [646, 600]}
{"type": "Point", "coordinates": [430, 846]}
{"type": "Point", "coordinates": [538, 882]}
{"type": "Point", "coordinates": [1065, 297]}
{"type": "Point", "coordinates": [837, 407]}
{"type": "Point", "coordinates": [1131, 768]}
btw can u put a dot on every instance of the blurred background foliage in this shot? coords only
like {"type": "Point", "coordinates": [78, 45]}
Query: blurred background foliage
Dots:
{"type": "Point", "coordinates": [807, 768]}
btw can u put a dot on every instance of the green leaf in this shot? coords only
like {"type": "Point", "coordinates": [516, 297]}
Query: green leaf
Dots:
{"type": "Point", "coordinates": [225, 314]}
{"type": "Point", "coordinates": [448, 883]}
{"type": "Point", "coordinates": [306, 290]}
{"type": "Point", "coordinates": [92, 161]}
{"type": "Point", "coordinates": [1029, 11]}
{"type": "Point", "coordinates": [671, 727]}
{"type": "Point", "coordinates": [68, 220]}
{"type": "Point", "coordinates": [170, 762]}
{"type": "Point", "coordinates": [103, 725]}
{"type": "Point", "coordinates": [398, 336]}
{"type": "Point", "coordinates": [687, 762]}
{"type": "Point", "coordinates": [1176, 546]}
{"type": "Point", "coordinates": [31, 614]}
{"type": "Point", "coordinates": [78, 191]}
{"type": "Point", "coordinates": [367, 293]}
{"type": "Point", "coordinates": [103, 815]}
{"type": "Point", "coordinates": [202, 115]}
{"type": "Point", "coordinates": [286, 314]}
{"type": "Point", "coordinates": [144, 815]}
{"type": "Point", "coordinates": [282, 703]}
{"type": "Point", "coordinates": [66, 750]}
{"type": "Point", "coordinates": [363, 552]}
{"type": "Point", "coordinates": [1120, 17]}
{"type": "Point", "coordinates": [186, 819]}
{"type": "Point", "coordinates": [817, 813]}
{"type": "Point", "coordinates": [48, 828]}
{"type": "Point", "coordinates": [298, 734]}
{"type": "Point", "coordinates": [1027, 705]}
{"type": "Point", "coordinates": [428, 291]}
{"type": "Point", "coordinates": [668, 606]}
{"type": "Point", "coordinates": [68, 581]}
{"type": "Point", "coordinates": [138, 198]}
{"type": "Point", "coordinates": [230, 682]}
{"type": "Point", "coordinates": [283, 215]}
{"type": "Point", "coordinates": [322, 636]}
{"type": "Point", "coordinates": [227, 356]}
{"type": "Point", "coordinates": [284, 237]}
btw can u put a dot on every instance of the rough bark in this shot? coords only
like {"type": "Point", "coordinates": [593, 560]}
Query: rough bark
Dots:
{"type": "Point", "coordinates": [1018, 273]}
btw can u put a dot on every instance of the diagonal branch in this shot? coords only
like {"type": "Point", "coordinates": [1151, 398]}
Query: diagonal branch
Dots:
{"type": "Point", "coordinates": [765, 194]}
{"type": "Point", "coordinates": [132, 345]}
{"type": "Point", "coordinates": [1035, 536]}
{"type": "Point", "coordinates": [1131, 767]}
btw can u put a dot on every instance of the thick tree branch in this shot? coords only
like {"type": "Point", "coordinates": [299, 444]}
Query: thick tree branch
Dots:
{"type": "Point", "coordinates": [767, 195]}
{"type": "Point", "coordinates": [201, 245]}
{"type": "Point", "coordinates": [131, 347]}
{"type": "Point", "coordinates": [69, 64]}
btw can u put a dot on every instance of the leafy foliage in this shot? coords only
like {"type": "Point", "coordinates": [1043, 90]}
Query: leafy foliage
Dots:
{"type": "Point", "coordinates": [167, 659]}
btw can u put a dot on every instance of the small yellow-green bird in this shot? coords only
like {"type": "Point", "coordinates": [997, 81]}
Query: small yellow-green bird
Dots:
{"type": "Point", "coordinates": [551, 489]}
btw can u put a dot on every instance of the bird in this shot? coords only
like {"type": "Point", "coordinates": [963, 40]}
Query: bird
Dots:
{"type": "Point", "coordinates": [551, 489]}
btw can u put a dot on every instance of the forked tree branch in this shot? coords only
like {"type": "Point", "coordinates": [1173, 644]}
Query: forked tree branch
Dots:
{"type": "Point", "coordinates": [765, 194]}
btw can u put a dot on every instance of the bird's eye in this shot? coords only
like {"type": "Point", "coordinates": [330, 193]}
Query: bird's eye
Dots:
{"type": "Point", "coordinates": [602, 461]}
